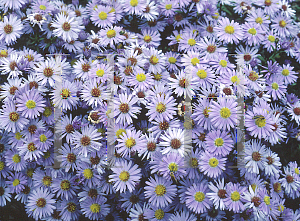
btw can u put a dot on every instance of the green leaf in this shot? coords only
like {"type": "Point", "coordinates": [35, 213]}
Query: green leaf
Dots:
{"type": "Point", "coordinates": [261, 58]}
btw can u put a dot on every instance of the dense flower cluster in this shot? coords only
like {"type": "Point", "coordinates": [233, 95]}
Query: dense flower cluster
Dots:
{"type": "Point", "coordinates": [173, 110]}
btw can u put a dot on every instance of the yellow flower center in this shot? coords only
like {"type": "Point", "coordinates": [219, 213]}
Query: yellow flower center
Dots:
{"type": "Point", "coordinates": [297, 171]}
{"type": "Point", "coordinates": [47, 180]}
{"type": "Point", "coordinates": [47, 112]}
{"type": "Point", "coordinates": [261, 121]}
{"type": "Point", "coordinates": [130, 142]}
{"type": "Point", "coordinates": [199, 196]}
{"type": "Point", "coordinates": [2, 165]}
{"type": "Point", "coordinates": [103, 15]}
{"type": "Point", "coordinates": [120, 132]}
{"type": "Point", "coordinates": [18, 136]}
{"type": "Point", "coordinates": [191, 42]}
{"type": "Point", "coordinates": [168, 6]}
{"type": "Point", "coordinates": [285, 72]}
{"type": "Point", "coordinates": [267, 200]}
{"type": "Point", "coordinates": [88, 173]}
{"type": "Point", "coordinates": [134, 3]}
{"type": "Point", "coordinates": [253, 186]}
{"type": "Point", "coordinates": [124, 176]}
{"type": "Point", "coordinates": [95, 208]}
{"type": "Point", "coordinates": [160, 190]}
{"type": "Point", "coordinates": [147, 38]}
{"type": "Point", "coordinates": [172, 60]}
{"type": "Point", "coordinates": [111, 33]}
{"type": "Point", "coordinates": [219, 142]}
{"type": "Point", "coordinates": [65, 93]}
{"type": "Point", "coordinates": [225, 112]}
{"type": "Point", "coordinates": [173, 167]}
{"type": "Point", "coordinates": [65, 185]}
{"type": "Point", "coordinates": [213, 162]}
{"type": "Point", "coordinates": [178, 37]}
{"type": "Point", "coordinates": [159, 214]}
{"type": "Point", "coordinates": [100, 72]}
{"type": "Point", "coordinates": [275, 86]}
{"type": "Point", "coordinates": [202, 74]}
{"type": "Point", "coordinates": [141, 77]}
{"type": "Point", "coordinates": [259, 20]}
{"type": "Point", "coordinates": [216, 16]}
{"type": "Point", "coordinates": [193, 162]}
{"type": "Point", "coordinates": [154, 60]}
{"type": "Point", "coordinates": [43, 7]}
{"type": "Point", "coordinates": [235, 196]}
{"type": "Point", "coordinates": [223, 63]}
{"type": "Point", "coordinates": [195, 61]}
{"type": "Point", "coordinates": [16, 182]}
{"type": "Point", "coordinates": [112, 10]}
{"type": "Point", "coordinates": [229, 29]}
{"type": "Point", "coordinates": [282, 23]}
{"type": "Point", "coordinates": [160, 108]}
{"type": "Point", "coordinates": [16, 158]}
{"type": "Point", "coordinates": [252, 31]}
{"type": "Point", "coordinates": [30, 104]}
{"type": "Point", "coordinates": [235, 79]}
{"type": "Point", "coordinates": [271, 38]}
{"type": "Point", "coordinates": [43, 138]}
{"type": "Point", "coordinates": [3, 53]}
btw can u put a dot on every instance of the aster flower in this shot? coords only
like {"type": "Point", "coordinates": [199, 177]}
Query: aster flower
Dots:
{"type": "Point", "coordinates": [111, 35]}
{"type": "Point", "coordinates": [211, 165]}
{"type": "Point", "coordinates": [63, 187]}
{"type": "Point", "coordinates": [282, 25]}
{"type": "Point", "coordinates": [225, 114]}
{"type": "Point", "coordinates": [287, 74]}
{"type": "Point", "coordinates": [130, 141]}
{"type": "Point", "coordinates": [156, 60]}
{"type": "Point", "coordinates": [134, 6]}
{"type": "Point", "coordinates": [40, 203]}
{"type": "Point", "coordinates": [253, 34]}
{"type": "Point", "coordinates": [132, 199]}
{"type": "Point", "coordinates": [94, 93]}
{"type": "Point", "coordinates": [276, 88]}
{"type": "Point", "coordinates": [294, 112]}
{"type": "Point", "coordinates": [234, 197]}
{"type": "Point", "coordinates": [161, 105]}
{"type": "Point", "coordinates": [102, 16]}
{"type": "Point", "coordinates": [95, 208]}
{"type": "Point", "coordinates": [159, 191]}
{"type": "Point", "coordinates": [10, 66]}
{"type": "Point", "coordinates": [197, 199]}
{"type": "Point", "coordinates": [171, 166]}
{"type": "Point", "coordinates": [185, 81]}
{"type": "Point", "coordinates": [229, 31]}
{"type": "Point", "coordinates": [10, 29]}
{"type": "Point", "coordinates": [189, 41]}
{"type": "Point", "coordinates": [273, 163]}
{"type": "Point", "coordinates": [69, 209]}
{"type": "Point", "coordinates": [125, 175]}
{"type": "Point", "coordinates": [66, 27]}
{"type": "Point", "coordinates": [125, 108]}
{"type": "Point", "coordinates": [149, 38]}
{"type": "Point", "coordinates": [14, 161]}
{"type": "Point", "coordinates": [175, 141]}
{"type": "Point", "coordinates": [218, 143]}
{"type": "Point", "coordinates": [259, 123]}
{"type": "Point", "coordinates": [30, 104]}
{"type": "Point", "coordinates": [138, 212]}
{"type": "Point", "coordinates": [86, 140]}
{"type": "Point", "coordinates": [11, 119]}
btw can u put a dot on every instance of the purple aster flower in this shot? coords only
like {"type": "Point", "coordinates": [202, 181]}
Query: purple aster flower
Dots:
{"type": "Point", "coordinates": [225, 113]}
{"type": "Point", "coordinates": [95, 208]}
{"type": "Point", "coordinates": [212, 165]}
{"type": "Point", "coordinates": [16, 182]}
{"type": "Point", "coordinates": [234, 201]}
{"type": "Point", "coordinates": [217, 194]}
{"type": "Point", "coordinates": [125, 175]}
{"type": "Point", "coordinates": [132, 199]}
{"type": "Point", "coordinates": [155, 213]}
{"type": "Point", "coordinates": [40, 203]}
{"type": "Point", "coordinates": [229, 31]}
{"type": "Point", "coordinates": [219, 143]}
{"type": "Point", "coordinates": [30, 104]}
{"type": "Point", "coordinates": [14, 160]}
{"type": "Point", "coordinates": [43, 139]}
{"type": "Point", "coordinates": [160, 191]}
{"type": "Point", "coordinates": [70, 209]}
{"type": "Point", "coordinates": [11, 119]}
{"type": "Point", "coordinates": [172, 166]}
{"type": "Point", "coordinates": [196, 199]}
{"type": "Point", "coordinates": [63, 187]}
